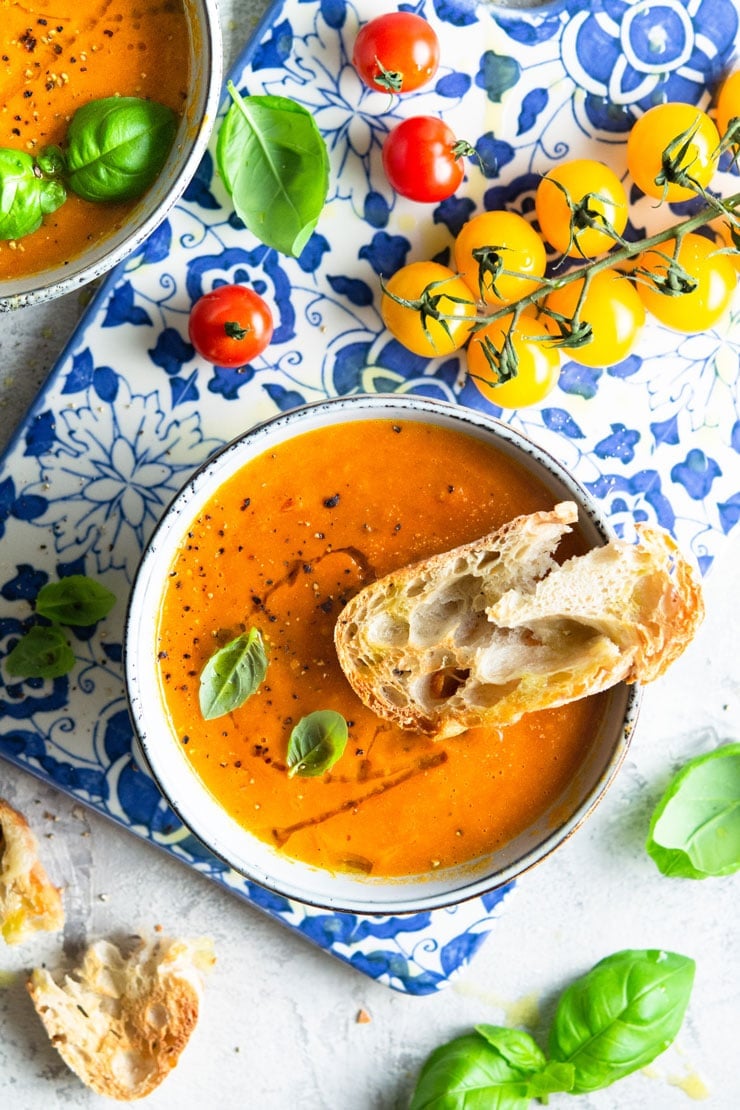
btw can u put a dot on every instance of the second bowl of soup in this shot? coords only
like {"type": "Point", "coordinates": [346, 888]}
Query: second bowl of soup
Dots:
{"type": "Point", "coordinates": [56, 61]}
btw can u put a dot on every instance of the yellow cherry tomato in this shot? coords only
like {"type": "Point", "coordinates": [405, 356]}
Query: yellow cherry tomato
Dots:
{"type": "Point", "coordinates": [728, 104]}
{"type": "Point", "coordinates": [576, 204]}
{"type": "Point", "coordinates": [680, 134]}
{"type": "Point", "coordinates": [614, 310]}
{"type": "Point", "coordinates": [704, 262]}
{"type": "Point", "coordinates": [493, 242]}
{"type": "Point", "coordinates": [428, 288]}
{"type": "Point", "coordinates": [537, 362]}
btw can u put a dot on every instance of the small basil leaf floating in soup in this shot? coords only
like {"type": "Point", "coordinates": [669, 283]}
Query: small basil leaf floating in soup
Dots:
{"type": "Point", "coordinates": [116, 146]}
{"type": "Point", "coordinates": [75, 600]}
{"type": "Point", "coordinates": [695, 829]}
{"type": "Point", "coordinates": [619, 1016]}
{"type": "Point", "coordinates": [316, 743]}
{"type": "Point", "coordinates": [275, 166]}
{"type": "Point", "coordinates": [232, 675]}
{"type": "Point", "coordinates": [42, 653]}
{"type": "Point", "coordinates": [26, 194]}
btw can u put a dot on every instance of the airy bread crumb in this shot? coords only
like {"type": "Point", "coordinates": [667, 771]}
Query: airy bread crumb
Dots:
{"type": "Point", "coordinates": [29, 901]}
{"type": "Point", "coordinates": [494, 629]}
{"type": "Point", "coordinates": [120, 1021]}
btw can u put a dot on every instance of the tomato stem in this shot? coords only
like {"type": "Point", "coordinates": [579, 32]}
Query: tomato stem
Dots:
{"type": "Point", "coordinates": [234, 330]}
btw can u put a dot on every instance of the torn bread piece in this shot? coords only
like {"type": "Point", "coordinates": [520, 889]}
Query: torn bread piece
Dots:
{"type": "Point", "coordinates": [29, 901]}
{"type": "Point", "coordinates": [121, 1020]}
{"type": "Point", "coordinates": [494, 629]}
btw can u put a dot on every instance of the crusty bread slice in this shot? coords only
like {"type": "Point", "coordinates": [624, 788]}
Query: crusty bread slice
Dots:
{"type": "Point", "coordinates": [29, 901]}
{"type": "Point", "coordinates": [120, 1021]}
{"type": "Point", "coordinates": [497, 628]}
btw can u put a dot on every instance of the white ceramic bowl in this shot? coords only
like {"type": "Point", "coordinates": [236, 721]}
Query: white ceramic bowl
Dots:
{"type": "Point", "coordinates": [199, 116]}
{"type": "Point", "coordinates": [192, 801]}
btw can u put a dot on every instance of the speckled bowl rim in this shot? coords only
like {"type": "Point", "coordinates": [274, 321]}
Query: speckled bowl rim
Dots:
{"type": "Point", "coordinates": [80, 273]}
{"type": "Point", "coordinates": [336, 892]}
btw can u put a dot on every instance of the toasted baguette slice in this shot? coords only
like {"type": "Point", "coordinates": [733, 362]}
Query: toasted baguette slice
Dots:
{"type": "Point", "coordinates": [121, 1021]}
{"type": "Point", "coordinates": [29, 901]}
{"type": "Point", "coordinates": [496, 628]}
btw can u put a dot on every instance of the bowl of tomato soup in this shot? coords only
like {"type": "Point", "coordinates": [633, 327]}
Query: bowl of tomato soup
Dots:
{"type": "Point", "coordinates": [53, 62]}
{"type": "Point", "coordinates": [252, 563]}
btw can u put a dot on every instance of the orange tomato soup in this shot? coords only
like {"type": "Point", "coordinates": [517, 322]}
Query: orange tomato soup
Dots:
{"type": "Point", "coordinates": [281, 547]}
{"type": "Point", "coordinates": [55, 58]}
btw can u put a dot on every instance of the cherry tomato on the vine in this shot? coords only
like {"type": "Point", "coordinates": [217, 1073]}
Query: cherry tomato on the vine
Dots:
{"type": "Point", "coordinates": [422, 159]}
{"type": "Point", "coordinates": [703, 261]}
{"type": "Point", "coordinates": [494, 242]}
{"type": "Point", "coordinates": [678, 132]}
{"type": "Point", "coordinates": [577, 203]}
{"type": "Point", "coordinates": [537, 361]}
{"type": "Point", "coordinates": [728, 103]}
{"type": "Point", "coordinates": [614, 310]}
{"type": "Point", "coordinates": [396, 53]}
{"type": "Point", "coordinates": [230, 326]}
{"type": "Point", "coordinates": [446, 294]}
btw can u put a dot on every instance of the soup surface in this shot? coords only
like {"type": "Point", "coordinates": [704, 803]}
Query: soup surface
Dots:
{"type": "Point", "coordinates": [281, 547]}
{"type": "Point", "coordinates": [54, 59]}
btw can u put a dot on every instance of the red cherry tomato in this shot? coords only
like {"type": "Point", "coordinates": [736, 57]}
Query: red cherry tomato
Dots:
{"type": "Point", "coordinates": [230, 325]}
{"type": "Point", "coordinates": [396, 53]}
{"type": "Point", "coordinates": [421, 159]}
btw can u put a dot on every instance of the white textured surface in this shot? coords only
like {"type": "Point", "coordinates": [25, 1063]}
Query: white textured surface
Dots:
{"type": "Point", "coordinates": [279, 1025]}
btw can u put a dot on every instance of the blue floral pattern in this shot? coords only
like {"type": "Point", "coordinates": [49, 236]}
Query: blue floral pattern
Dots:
{"type": "Point", "coordinates": [130, 410]}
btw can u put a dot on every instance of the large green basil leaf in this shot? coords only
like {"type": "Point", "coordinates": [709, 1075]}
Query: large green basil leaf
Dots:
{"type": "Point", "coordinates": [232, 675]}
{"type": "Point", "coordinates": [75, 600]}
{"type": "Point", "coordinates": [42, 653]}
{"type": "Point", "coordinates": [116, 147]}
{"type": "Point", "coordinates": [26, 196]}
{"type": "Point", "coordinates": [695, 829]}
{"type": "Point", "coordinates": [316, 743]}
{"type": "Point", "coordinates": [620, 1015]}
{"type": "Point", "coordinates": [274, 163]}
{"type": "Point", "coordinates": [469, 1073]}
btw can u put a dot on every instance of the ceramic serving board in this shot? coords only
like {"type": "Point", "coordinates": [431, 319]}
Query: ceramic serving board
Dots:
{"type": "Point", "coordinates": [130, 410]}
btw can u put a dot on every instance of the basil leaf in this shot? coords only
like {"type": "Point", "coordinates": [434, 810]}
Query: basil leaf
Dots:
{"type": "Point", "coordinates": [75, 600]}
{"type": "Point", "coordinates": [116, 146]}
{"type": "Point", "coordinates": [517, 1047]}
{"type": "Point", "coordinates": [26, 196]}
{"type": "Point", "coordinates": [275, 166]}
{"type": "Point", "coordinates": [695, 829]}
{"type": "Point", "coordinates": [620, 1015]}
{"type": "Point", "coordinates": [232, 675]}
{"type": "Point", "coordinates": [316, 743]}
{"type": "Point", "coordinates": [469, 1072]}
{"type": "Point", "coordinates": [42, 653]}
{"type": "Point", "coordinates": [523, 1053]}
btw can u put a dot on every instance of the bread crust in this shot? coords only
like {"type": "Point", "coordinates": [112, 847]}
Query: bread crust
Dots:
{"type": "Point", "coordinates": [120, 1021]}
{"type": "Point", "coordinates": [29, 901]}
{"type": "Point", "coordinates": [494, 629]}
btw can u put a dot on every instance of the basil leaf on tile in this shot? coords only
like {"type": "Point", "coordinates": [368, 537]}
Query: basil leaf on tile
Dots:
{"type": "Point", "coordinates": [275, 166]}
{"type": "Point", "coordinates": [42, 653]}
{"type": "Point", "coordinates": [74, 600]}
{"type": "Point", "coordinates": [316, 743]}
{"type": "Point", "coordinates": [232, 675]}
{"type": "Point", "coordinates": [695, 828]}
{"type": "Point", "coordinates": [620, 1015]}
